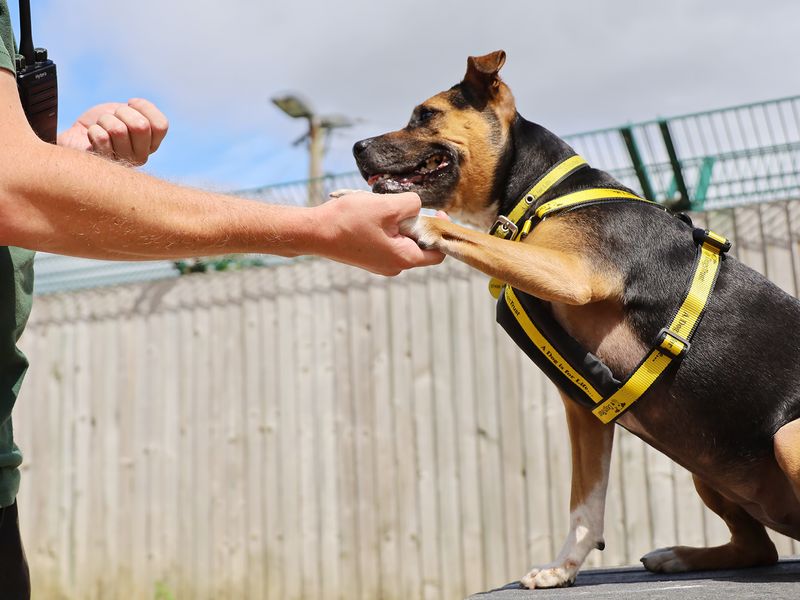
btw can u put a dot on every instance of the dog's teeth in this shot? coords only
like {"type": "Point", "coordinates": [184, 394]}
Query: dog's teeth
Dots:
{"type": "Point", "coordinates": [433, 163]}
{"type": "Point", "coordinates": [377, 179]}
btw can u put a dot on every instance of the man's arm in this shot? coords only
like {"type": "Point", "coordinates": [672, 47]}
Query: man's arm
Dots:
{"type": "Point", "coordinates": [69, 202]}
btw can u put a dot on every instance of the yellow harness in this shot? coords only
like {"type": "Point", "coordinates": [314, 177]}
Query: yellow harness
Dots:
{"type": "Point", "coordinates": [550, 346]}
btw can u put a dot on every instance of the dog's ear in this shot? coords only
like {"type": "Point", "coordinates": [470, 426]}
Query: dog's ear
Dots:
{"type": "Point", "coordinates": [482, 77]}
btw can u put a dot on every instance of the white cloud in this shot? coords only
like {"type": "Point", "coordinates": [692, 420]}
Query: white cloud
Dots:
{"type": "Point", "coordinates": [573, 66]}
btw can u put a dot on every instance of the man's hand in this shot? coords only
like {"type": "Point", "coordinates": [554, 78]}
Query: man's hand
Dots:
{"type": "Point", "coordinates": [363, 229]}
{"type": "Point", "coordinates": [129, 133]}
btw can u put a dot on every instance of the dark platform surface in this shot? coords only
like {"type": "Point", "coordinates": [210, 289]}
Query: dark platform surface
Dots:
{"type": "Point", "coordinates": [781, 581]}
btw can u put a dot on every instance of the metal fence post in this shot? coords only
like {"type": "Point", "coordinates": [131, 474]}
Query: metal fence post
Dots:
{"type": "Point", "coordinates": [684, 202]}
{"type": "Point", "coordinates": [638, 164]}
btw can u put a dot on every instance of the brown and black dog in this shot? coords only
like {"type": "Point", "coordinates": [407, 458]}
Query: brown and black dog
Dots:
{"type": "Point", "coordinates": [613, 275]}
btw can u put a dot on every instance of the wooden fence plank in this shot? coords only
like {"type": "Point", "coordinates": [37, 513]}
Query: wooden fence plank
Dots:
{"type": "Point", "coordinates": [444, 417]}
{"type": "Point", "coordinates": [490, 467]}
{"type": "Point", "coordinates": [409, 572]}
{"type": "Point", "coordinates": [383, 427]}
{"type": "Point", "coordinates": [330, 581]}
{"type": "Point", "coordinates": [425, 433]}
{"type": "Point", "coordinates": [466, 432]}
{"type": "Point", "coordinates": [270, 456]}
{"type": "Point", "coordinates": [307, 428]}
{"type": "Point", "coordinates": [289, 483]}
{"type": "Point", "coordinates": [347, 488]}
{"type": "Point", "coordinates": [254, 434]}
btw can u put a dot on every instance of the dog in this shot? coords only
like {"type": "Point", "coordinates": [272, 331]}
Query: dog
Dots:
{"type": "Point", "coordinates": [611, 275]}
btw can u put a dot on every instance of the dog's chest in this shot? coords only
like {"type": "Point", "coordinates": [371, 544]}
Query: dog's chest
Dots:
{"type": "Point", "coordinates": [602, 329]}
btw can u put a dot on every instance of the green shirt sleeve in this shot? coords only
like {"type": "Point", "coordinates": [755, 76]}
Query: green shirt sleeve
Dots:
{"type": "Point", "coordinates": [7, 50]}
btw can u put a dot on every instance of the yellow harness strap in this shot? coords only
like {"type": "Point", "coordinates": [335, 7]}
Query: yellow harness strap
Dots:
{"type": "Point", "coordinates": [673, 341]}
{"type": "Point", "coordinates": [547, 349]}
{"type": "Point", "coordinates": [560, 204]}
{"type": "Point", "coordinates": [584, 198]}
{"type": "Point", "coordinates": [507, 226]}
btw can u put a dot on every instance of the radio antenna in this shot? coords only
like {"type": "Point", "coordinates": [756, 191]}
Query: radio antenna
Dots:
{"type": "Point", "coordinates": [26, 37]}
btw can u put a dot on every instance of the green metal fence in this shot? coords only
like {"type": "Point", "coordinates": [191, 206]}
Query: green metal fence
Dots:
{"type": "Point", "coordinates": [710, 159]}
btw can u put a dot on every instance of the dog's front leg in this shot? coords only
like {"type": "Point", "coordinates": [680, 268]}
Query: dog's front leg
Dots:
{"type": "Point", "coordinates": [591, 443]}
{"type": "Point", "coordinates": [552, 264]}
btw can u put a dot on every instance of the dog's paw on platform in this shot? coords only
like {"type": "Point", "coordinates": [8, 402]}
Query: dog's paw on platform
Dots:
{"type": "Point", "coordinates": [550, 577]}
{"type": "Point", "coordinates": [775, 581]}
{"type": "Point", "coordinates": [663, 560]}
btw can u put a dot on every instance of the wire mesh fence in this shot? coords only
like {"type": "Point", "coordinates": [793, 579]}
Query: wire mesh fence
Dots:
{"type": "Point", "coordinates": [302, 193]}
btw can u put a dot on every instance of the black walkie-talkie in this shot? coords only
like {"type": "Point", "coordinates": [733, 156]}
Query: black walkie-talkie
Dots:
{"type": "Point", "coordinates": [36, 80]}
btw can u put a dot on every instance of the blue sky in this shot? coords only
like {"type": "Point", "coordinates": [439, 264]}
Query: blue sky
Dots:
{"type": "Point", "coordinates": [213, 66]}
{"type": "Point", "coordinates": [198, 150]}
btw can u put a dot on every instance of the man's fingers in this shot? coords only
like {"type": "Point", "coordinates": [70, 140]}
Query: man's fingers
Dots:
{"type": "Point", "coordinates": [158, 121]}
{"type": "Point", "coordinates": [416, 256]}
{"type": "Point", "coordinates": [138, 132]}
{"type": "Point", "coordinates": [406, 205]}
{"type": "Point", "coordinates": [430, 257]}
{"type": "Point", "coordinates": [90, 117]}
{"type": "Point", "coordinates": [100, 140]}
{"type": "Point", "coordinates": [120, 138]}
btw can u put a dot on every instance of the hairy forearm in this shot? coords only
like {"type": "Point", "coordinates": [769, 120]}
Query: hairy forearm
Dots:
{"type": "Point", "coordinates": [68, 202]}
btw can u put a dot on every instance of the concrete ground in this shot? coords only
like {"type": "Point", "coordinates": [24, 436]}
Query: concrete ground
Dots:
{"type": "Point", "coordinates": [781, 581]}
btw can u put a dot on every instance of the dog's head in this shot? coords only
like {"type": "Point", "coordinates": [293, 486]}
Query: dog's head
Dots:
{"type": "Point", "coordinates": [450, 151]}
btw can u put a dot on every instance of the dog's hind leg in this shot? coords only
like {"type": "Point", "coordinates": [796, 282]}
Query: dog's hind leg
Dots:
{"type": "Point", "coordinates": [591, 443]}
{"type": "Point", "coordinates": [787, 452]}
{"type": "Point", "coordinates": [750, 545]}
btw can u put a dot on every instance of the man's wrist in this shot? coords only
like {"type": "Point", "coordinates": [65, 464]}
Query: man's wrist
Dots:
{"type": "Point", "coordinates": [316, 232]}
{"type": "Point", "coordinates": [299, 231]}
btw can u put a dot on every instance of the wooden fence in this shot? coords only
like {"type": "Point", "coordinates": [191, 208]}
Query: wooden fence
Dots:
{"type": "Point", "coordinates": [310, 431]}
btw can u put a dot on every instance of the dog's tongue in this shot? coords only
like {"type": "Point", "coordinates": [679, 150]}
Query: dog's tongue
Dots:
{"type": "Point", "coordinates": [371, 181]}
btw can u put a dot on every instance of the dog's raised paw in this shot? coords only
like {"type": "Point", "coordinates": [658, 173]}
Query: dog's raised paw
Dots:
{"type": "Point", "coordinates": [663, 560]}
{"type": "Point", "coordinates": [421, 230]}
{"type": "Point", "coordinates": [549, 577]}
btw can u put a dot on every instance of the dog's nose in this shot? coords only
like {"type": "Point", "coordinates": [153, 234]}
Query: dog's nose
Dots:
{"type": "Point", "coordinates": [360, 147]}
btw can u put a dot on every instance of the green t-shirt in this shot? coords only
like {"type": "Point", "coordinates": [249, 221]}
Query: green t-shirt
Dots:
{"type": "Point", "coordinates": [6, 38]}
{"type": "Point", "coordinates": [16, 293]}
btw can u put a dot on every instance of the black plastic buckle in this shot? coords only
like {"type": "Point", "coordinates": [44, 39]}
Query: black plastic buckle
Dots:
{"type": "Point", "coordinates": [662, 335]}
{"type": "Point", "coordinates": [703, 236]}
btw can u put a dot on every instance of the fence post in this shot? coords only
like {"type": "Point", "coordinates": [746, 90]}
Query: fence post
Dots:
{"type": "Point", "coordinates": [684, 202]}
{"type": "Point", "coordinates": [638, 164]}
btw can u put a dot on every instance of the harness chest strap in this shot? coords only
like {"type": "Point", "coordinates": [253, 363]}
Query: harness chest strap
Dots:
{"type": "Point", "coordinates": [672, 342]}
{"type": "Point", "coordinates": [516, 226]}
{"type": "Point", "coordinates": [507, 226]}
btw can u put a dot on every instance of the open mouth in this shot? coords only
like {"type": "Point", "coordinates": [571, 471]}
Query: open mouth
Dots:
{"type": "Point", "coordinates": [423, 172]}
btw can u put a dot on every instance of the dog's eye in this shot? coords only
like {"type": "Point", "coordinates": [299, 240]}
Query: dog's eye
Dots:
{"type": "Point", "coordinates": [425, 114]}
